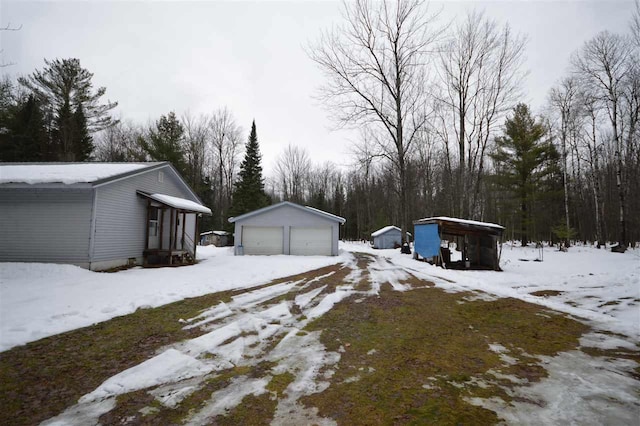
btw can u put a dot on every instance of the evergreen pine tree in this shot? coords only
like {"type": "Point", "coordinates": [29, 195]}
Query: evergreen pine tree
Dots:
{"type": "Point", "coordinates": [23, 136]}
{"type": "Point", "coordinates": [165, 142]}
{"type": "Point", "coordinates": [523, 160]}
{"type": "Point", "coordinates": [248, 194]}
{"type": "Point", "coordinates": [83, 142]}
{"type": "Point", "coordinates": [75, 110]}
{"type": "Point", "coordinates": [62, 134]}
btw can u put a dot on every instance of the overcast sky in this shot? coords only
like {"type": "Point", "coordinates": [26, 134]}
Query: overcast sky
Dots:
{"type": "Point", "coordinates": [156, 57]}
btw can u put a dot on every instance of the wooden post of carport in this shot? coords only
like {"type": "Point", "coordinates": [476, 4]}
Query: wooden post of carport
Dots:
{"type": "Point", "coordinates": [196, 236]}
{"type": "Point", "coordinates": [161, 227]}
{"type": "Point", "coordinates": [171, 235]}
{"type": "Point", "coordinates": [175, 231]}
{"type": "Point", "coordinates": [146, 232]}
{"type": "Point", "coordinates": [184, 227]}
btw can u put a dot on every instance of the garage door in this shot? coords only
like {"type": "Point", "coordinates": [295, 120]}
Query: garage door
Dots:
{"type": "Point", "coordinates": [310, 241]}
{"type": "Point", "coordinates": [262, 239]}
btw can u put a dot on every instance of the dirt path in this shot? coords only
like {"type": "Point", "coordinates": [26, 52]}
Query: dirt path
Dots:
{"type": "Point", "coordinates": [364, 342]}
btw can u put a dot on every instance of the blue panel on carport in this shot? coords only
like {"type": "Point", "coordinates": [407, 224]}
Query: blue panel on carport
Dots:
{"type": "Point", "coordinates": [427, 240]}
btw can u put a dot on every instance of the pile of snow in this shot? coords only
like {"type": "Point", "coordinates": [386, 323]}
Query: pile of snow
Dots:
{"type": "Point", "coordinates": [39, 300]}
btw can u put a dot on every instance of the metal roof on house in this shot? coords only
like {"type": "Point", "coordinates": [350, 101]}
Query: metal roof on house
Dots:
{"type": "Point", "coordinates": [69, 173]}
{"type": "Point", "coordinates": [306, 209]}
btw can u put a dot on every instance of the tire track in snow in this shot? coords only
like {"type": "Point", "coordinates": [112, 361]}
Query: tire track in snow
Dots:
{"type": "Point", "coordinates": [259, 325]}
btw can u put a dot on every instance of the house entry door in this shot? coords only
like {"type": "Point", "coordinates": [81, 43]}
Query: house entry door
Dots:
{"type": "Point", "coordinates": [154, 228]}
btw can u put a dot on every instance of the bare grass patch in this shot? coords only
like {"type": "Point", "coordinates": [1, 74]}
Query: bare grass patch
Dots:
{"type": "Point", "coordinates": [419, 355]}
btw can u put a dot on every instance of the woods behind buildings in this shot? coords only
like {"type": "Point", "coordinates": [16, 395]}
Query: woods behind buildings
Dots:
{"type": "Point", "coordinates": [444, 130]}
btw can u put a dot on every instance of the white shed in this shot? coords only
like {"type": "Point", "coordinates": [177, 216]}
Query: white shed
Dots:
{"type": "Point", "coordinates": [387, 238]}
{"type": "Point", "coordinates": [287, 228]}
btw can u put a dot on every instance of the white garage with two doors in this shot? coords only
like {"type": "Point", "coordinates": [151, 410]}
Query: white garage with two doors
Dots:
{"type": "Point", "coordinates": [287, 228]}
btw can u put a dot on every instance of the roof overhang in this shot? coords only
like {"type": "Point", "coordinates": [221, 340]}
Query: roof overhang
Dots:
{"type": "Point", "coordinates": [456, 226]}
{"type": "Point", "coordinates": [305, 209]}
{"type": "Point", "coordinates": [177, 203]}
{"type": "Point", "coordinates": [385, 230]}
{"type": "Point", "coordinates": [218, 233]}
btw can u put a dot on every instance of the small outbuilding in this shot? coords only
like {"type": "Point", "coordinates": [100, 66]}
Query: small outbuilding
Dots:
{"type": "Point", "coordinates": [287, 228]}
{"type": "Point", "coordinates": [477, 242]}
{"type": "Point", "coordinates": [217, 238]}
{"type": "Point", "coordinates": [387, 238]}
{"type": "Point", "coordinates": [97, 215]}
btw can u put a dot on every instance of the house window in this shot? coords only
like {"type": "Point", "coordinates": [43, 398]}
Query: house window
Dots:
{"type": "Point", "coordinates": [153, 221]}
{"type": "Point", "coordinates": [160, 177]}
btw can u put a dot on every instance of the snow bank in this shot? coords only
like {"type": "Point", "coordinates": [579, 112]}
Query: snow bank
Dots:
{"type": "Point", "coordinates": [39, 300]}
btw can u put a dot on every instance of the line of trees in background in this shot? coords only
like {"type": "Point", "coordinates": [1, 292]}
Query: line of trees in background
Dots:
{"type": "Point", "coordinates": [443, 131]}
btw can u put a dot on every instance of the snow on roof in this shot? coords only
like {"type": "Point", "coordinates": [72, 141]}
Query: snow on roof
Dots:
{"type": "Point", "coordinates": [221, 233]}
{"type": "Point", "coordinates": [66, 173]}
{"type": "Point", "coordinates": [462, 221]}
{"type": "Point", "coordinates": [179, 203]}
{"type": "Point", "coordinates": [385, 229]}
{"type": "Point", "coordinates": [331, 215]}
{"type": "Point", "coordinates": [313, 210]}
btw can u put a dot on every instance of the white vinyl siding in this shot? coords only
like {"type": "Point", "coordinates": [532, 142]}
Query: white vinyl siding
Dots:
{"type": "Point", "coordinates": [310, 241]}
{"type": "Point", "coordinates": [262, 240]}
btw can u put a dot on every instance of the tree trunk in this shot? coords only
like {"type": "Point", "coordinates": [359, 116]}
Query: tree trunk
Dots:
{"type": "Point", "coordinates": [564, 179]}
{"type": "Point", "coordinates": [461, 172]}
{"type": "Point", "coordinates": [622, 241]}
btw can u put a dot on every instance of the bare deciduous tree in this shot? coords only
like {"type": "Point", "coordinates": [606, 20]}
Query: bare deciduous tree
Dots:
{"type": "Point", "coordinates": [195, 150]}
{"type": "Point", "coordinates": [120, 142]}
{"type": "Point", "coordinates": [563, 100]}
{"type": "Point", "coordinates": [635, 24]}
{"type": "Point", "coordinates": [292, 173]}
{"type": "Point", "coordinates": [225, 149]}
{"type": "Point", "coordinates": [376, 70]}
{"type": "Point", "coordinates": [480, 68]}
{"type": "Point", "coordinates": [8, 27]}
{"type": "Point", "coordinates": [591, 110]}
{"type": "Point", "coordinates": [605, 65]}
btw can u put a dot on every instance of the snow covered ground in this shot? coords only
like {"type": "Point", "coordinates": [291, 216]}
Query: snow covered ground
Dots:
{"type": "Point", "coordinates": [601, 287]}
{"type": "Point", "coordinates": [39, 300]}
{"type": "Point", "coordinates": [593, 284]}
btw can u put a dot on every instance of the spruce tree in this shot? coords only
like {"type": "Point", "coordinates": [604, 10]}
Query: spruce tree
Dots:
{"type": "Point", "coordinates": [248, 194]}
{"type": "Point", "coordinates": [166, 142]}
{"type": "Point", "coordinates": [522, 161]}
{"type": "Point", "coordinates": [24, 136]}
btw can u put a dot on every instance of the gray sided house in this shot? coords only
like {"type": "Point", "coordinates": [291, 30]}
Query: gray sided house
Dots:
{"type": "Point", "coordinates": [287, 228]}
{"type": "Point", "coordinates": [387, 238]}
{"type": "Point", "coordinates": [97, 215]}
